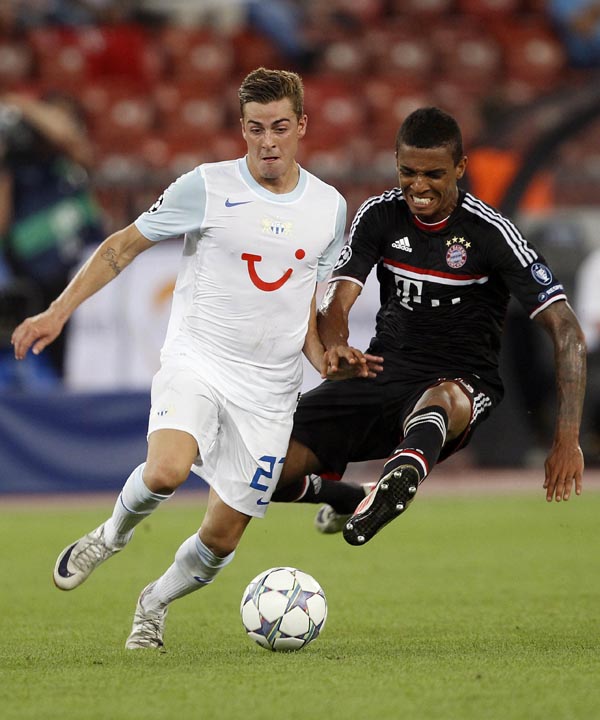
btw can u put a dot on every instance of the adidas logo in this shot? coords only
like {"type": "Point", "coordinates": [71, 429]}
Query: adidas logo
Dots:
{"type": "Point", "coordinates": [402, 244]}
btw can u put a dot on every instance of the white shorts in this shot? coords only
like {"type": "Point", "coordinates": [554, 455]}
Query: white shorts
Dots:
{"type": "Point", "coordinates": [240, 454]}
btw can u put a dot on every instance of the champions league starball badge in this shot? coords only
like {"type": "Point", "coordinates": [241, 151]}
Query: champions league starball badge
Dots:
{"type": "Point", "coordinates": [345, 255]}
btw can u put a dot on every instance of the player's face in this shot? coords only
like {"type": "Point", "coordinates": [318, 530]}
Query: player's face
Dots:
{"type": "Point", "coordinates": [428, 177]}
{"type": "Point", "coordinates": [272, 132]}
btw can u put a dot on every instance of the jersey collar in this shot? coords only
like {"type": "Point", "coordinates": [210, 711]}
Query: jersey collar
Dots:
{"type": "Point", "coordinates": [267, 194]}
{"type": "Point", "coordinates": [430, 227]}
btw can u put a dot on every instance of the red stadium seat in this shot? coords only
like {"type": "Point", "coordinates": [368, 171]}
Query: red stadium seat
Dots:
{"type": "Point", "coordinates": [197, 56]}
{"type": "Point", "coordinates": [403, 52]}
{"type": "Point", "coordinates": [252, 50]}
{"type": "Point", "coordinates": [388, 103]}
{"type": "Point", "coordinates": [345, 56]}
{"type": "Point", "coordinates": [421, 7]}
{"type": "Point", "coordinates": [531, 52]}
{"type": "Point", "coordinates": [333, 110]}
{"type": "Point", "coordinates": [61, 62]}
{"type": "Point", "coordinates": [119, 117]}
{"type": "Point", "coordinates": [467, 53]}
{"type": "Point", "coordinates": [16, 64]}
{"type": "Point", "coordinates": [123, 52]}
{"type": "Point", "coordinates": [489, 8]}
{"type": "Point", "coordinates": [365, 12]}
{"type": "Point", "coordinates": [184, 111]}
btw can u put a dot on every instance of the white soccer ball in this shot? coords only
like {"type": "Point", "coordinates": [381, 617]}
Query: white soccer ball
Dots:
{"type": "Point", "coordinates": [283, 609]}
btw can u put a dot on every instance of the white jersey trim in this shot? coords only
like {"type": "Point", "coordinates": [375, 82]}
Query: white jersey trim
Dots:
{"type": "Point", "coordinates": [522, 250]}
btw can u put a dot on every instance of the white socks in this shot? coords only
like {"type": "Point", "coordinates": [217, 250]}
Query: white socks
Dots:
{"type": "Point", "coordinates": [195, 566]}
{"type": "Point", "coordinates": [135, 502]}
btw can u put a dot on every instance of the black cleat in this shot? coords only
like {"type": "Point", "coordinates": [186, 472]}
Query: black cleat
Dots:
{"type": "Point", "coordinates": [390, 498]}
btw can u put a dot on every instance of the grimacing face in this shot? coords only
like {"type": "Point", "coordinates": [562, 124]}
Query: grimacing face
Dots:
{"type": "Point", "coordinates": [428, 178]}
{"type": "Point", "coordinates": [272, 132]}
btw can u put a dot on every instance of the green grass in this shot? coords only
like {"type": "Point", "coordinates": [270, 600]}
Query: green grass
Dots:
{"type": "Point", "coordinates": [467, 608]}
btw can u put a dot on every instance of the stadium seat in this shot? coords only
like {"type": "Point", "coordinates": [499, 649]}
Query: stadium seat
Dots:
{"type": "Point", "coordinates": [60, 61]}
{"type": "Point", "coordinates": [400, 50]}
{"type": "Point", "coordinates": [16, 64]}
{"type": "Point", "coordinates": [467, 53]}
{"type": "Point", "coordinates": [252, 50]}
{"type": "Point", "coordinates": [421, 7]}
{"type": "Point", "coordinates": [197, 56]}
{"type": "Point", "coordinates": [532, 52]}
{"type": "Point", "coordinates": [363, 12]}
{"type": "Point", "coordinates": [388, 102]}
{"type": "Point", "coordinates": [333, 110]}
{"type": "Point", "coordinates": [185, 111]}
{"type": "Point", "coordinates": [123, 52]}
{"type": "Point", "coordinates": [489, 8]}
{"type": "Point", "coordinates": [344, 56]}
{"type": "Point", "coordinates": [119, 117]}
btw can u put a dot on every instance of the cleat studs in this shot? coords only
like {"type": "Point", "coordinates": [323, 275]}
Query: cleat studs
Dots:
{"type": "Point", "coordinates": [384, 485]}
{"type": "Point", "coordinates": [400, 507]}
{"type": "Point", "coordinates": [349, 526]}
{"type": "Point", "coordinates": [412, 489]}
{"type": "Point", "coordinates": [360, 539]}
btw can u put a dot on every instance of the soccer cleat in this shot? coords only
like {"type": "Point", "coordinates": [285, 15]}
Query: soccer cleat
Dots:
{"type": "Point", "coordinates": [328, 521]}
{"type": "Point", "coordinates": [77, 561]}
{"type": "Point", "coordinates": [390, 498]}
{"type": "Point", "coordinates": [148, 624]}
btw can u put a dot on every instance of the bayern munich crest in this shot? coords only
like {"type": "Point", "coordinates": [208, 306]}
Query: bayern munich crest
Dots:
{"type": "Point", "coordinates": [456, 256]}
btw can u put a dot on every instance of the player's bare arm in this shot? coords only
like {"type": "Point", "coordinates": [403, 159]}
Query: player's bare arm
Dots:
{"type": "Point", "coordinates": [564, 465]}
{"type": "Point", "coordinates": [332, 320]}
{"type": "Point", "coordinates": [109, 259]}
{"type": "Point", "coordinates": [319, 358]}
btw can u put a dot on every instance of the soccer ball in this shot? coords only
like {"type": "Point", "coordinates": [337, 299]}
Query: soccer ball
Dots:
{"type": "Point", "coordinates": [283, 609]}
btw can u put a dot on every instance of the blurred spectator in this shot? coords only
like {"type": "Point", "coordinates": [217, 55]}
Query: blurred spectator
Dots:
{"type": "Point", "coordinates": [281, 21]}
{"type": "Point", "coordinates": [578, 23]}
{"type": "Point", "coordinates": [47, 214]}
{"type": "Point", "coordinates": [30, 13]}
{"type": "Point", "coordinates": [587, 307]}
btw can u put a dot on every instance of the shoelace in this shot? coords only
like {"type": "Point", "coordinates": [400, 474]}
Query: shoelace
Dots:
{"type": "Point", "coordinates": [94, 552]}
{"type": "Point", "coordinates": [149, 630]}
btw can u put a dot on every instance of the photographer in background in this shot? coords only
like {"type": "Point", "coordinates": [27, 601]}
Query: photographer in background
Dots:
{"type": "Point", "coordinates": [47, 213]}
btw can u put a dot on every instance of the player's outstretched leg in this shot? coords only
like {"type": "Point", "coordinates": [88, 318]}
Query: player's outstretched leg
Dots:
{"type": "Point", "coordinates": [390, 498]}
{"type": "Point", "coordinates": [78, 560]}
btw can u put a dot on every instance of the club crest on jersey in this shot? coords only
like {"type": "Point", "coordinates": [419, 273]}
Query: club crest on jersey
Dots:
{"type": "Point", "coordinates": [344, 257]}
{"type": "Point", "coordinates": [276, 227]}
{"type": "Point", "coordinates": [456, 255]}
{"type": "Point", "coordinates": [541, 274]}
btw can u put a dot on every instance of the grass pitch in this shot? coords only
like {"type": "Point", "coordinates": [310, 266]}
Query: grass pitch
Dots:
{"type": "Point", "coordinates": [466, 608]}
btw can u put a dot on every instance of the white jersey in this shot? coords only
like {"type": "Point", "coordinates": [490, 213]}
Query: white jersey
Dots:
{"type": "Point", "coordinates": [251, 261]}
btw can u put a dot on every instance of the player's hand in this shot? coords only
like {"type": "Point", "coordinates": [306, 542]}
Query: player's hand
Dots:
{"type": "Point", "coordinates": [36, 332]}
{"type": "Point", "coordinates": [342, 362]}
{"type": "Point", "coordinates": [563, 467]}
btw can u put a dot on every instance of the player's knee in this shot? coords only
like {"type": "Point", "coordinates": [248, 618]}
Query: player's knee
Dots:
{"type": "Point", "coordinates": [164, 477]}
{"type": "Point", "coordinates": [221, 542]}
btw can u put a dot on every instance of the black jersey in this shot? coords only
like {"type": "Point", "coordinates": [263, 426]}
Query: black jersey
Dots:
{"type": "Point", "coordinates": [444, 287]}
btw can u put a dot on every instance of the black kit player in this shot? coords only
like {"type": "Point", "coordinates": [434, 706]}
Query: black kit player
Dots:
{"type": "Point", "coordinates": [447, 264]}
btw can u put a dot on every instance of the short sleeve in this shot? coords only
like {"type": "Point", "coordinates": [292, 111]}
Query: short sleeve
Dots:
{"type": "Point", "coordinates": [179, 210]}
{"type": "Point", "coordinates": [330, 256]}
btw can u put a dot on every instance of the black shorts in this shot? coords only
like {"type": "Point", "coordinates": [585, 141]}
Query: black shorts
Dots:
{"type": "Point", "coordinates": [361, 419]}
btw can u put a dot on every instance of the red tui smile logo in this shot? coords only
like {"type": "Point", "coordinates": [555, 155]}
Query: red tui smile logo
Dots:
{"type": "Point", "coordinates": [261, 284]}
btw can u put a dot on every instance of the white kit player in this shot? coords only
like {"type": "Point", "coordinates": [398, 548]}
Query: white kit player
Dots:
{"type": "Point", "coordinates": [259, 232]}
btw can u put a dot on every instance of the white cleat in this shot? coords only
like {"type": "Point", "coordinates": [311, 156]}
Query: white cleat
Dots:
{"type": "Point", "coordinates": [148, 624]}
{"type": "Point", "coordinates": [77, 561]}
{"type": "Point", "coordinates": [328, 521]}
